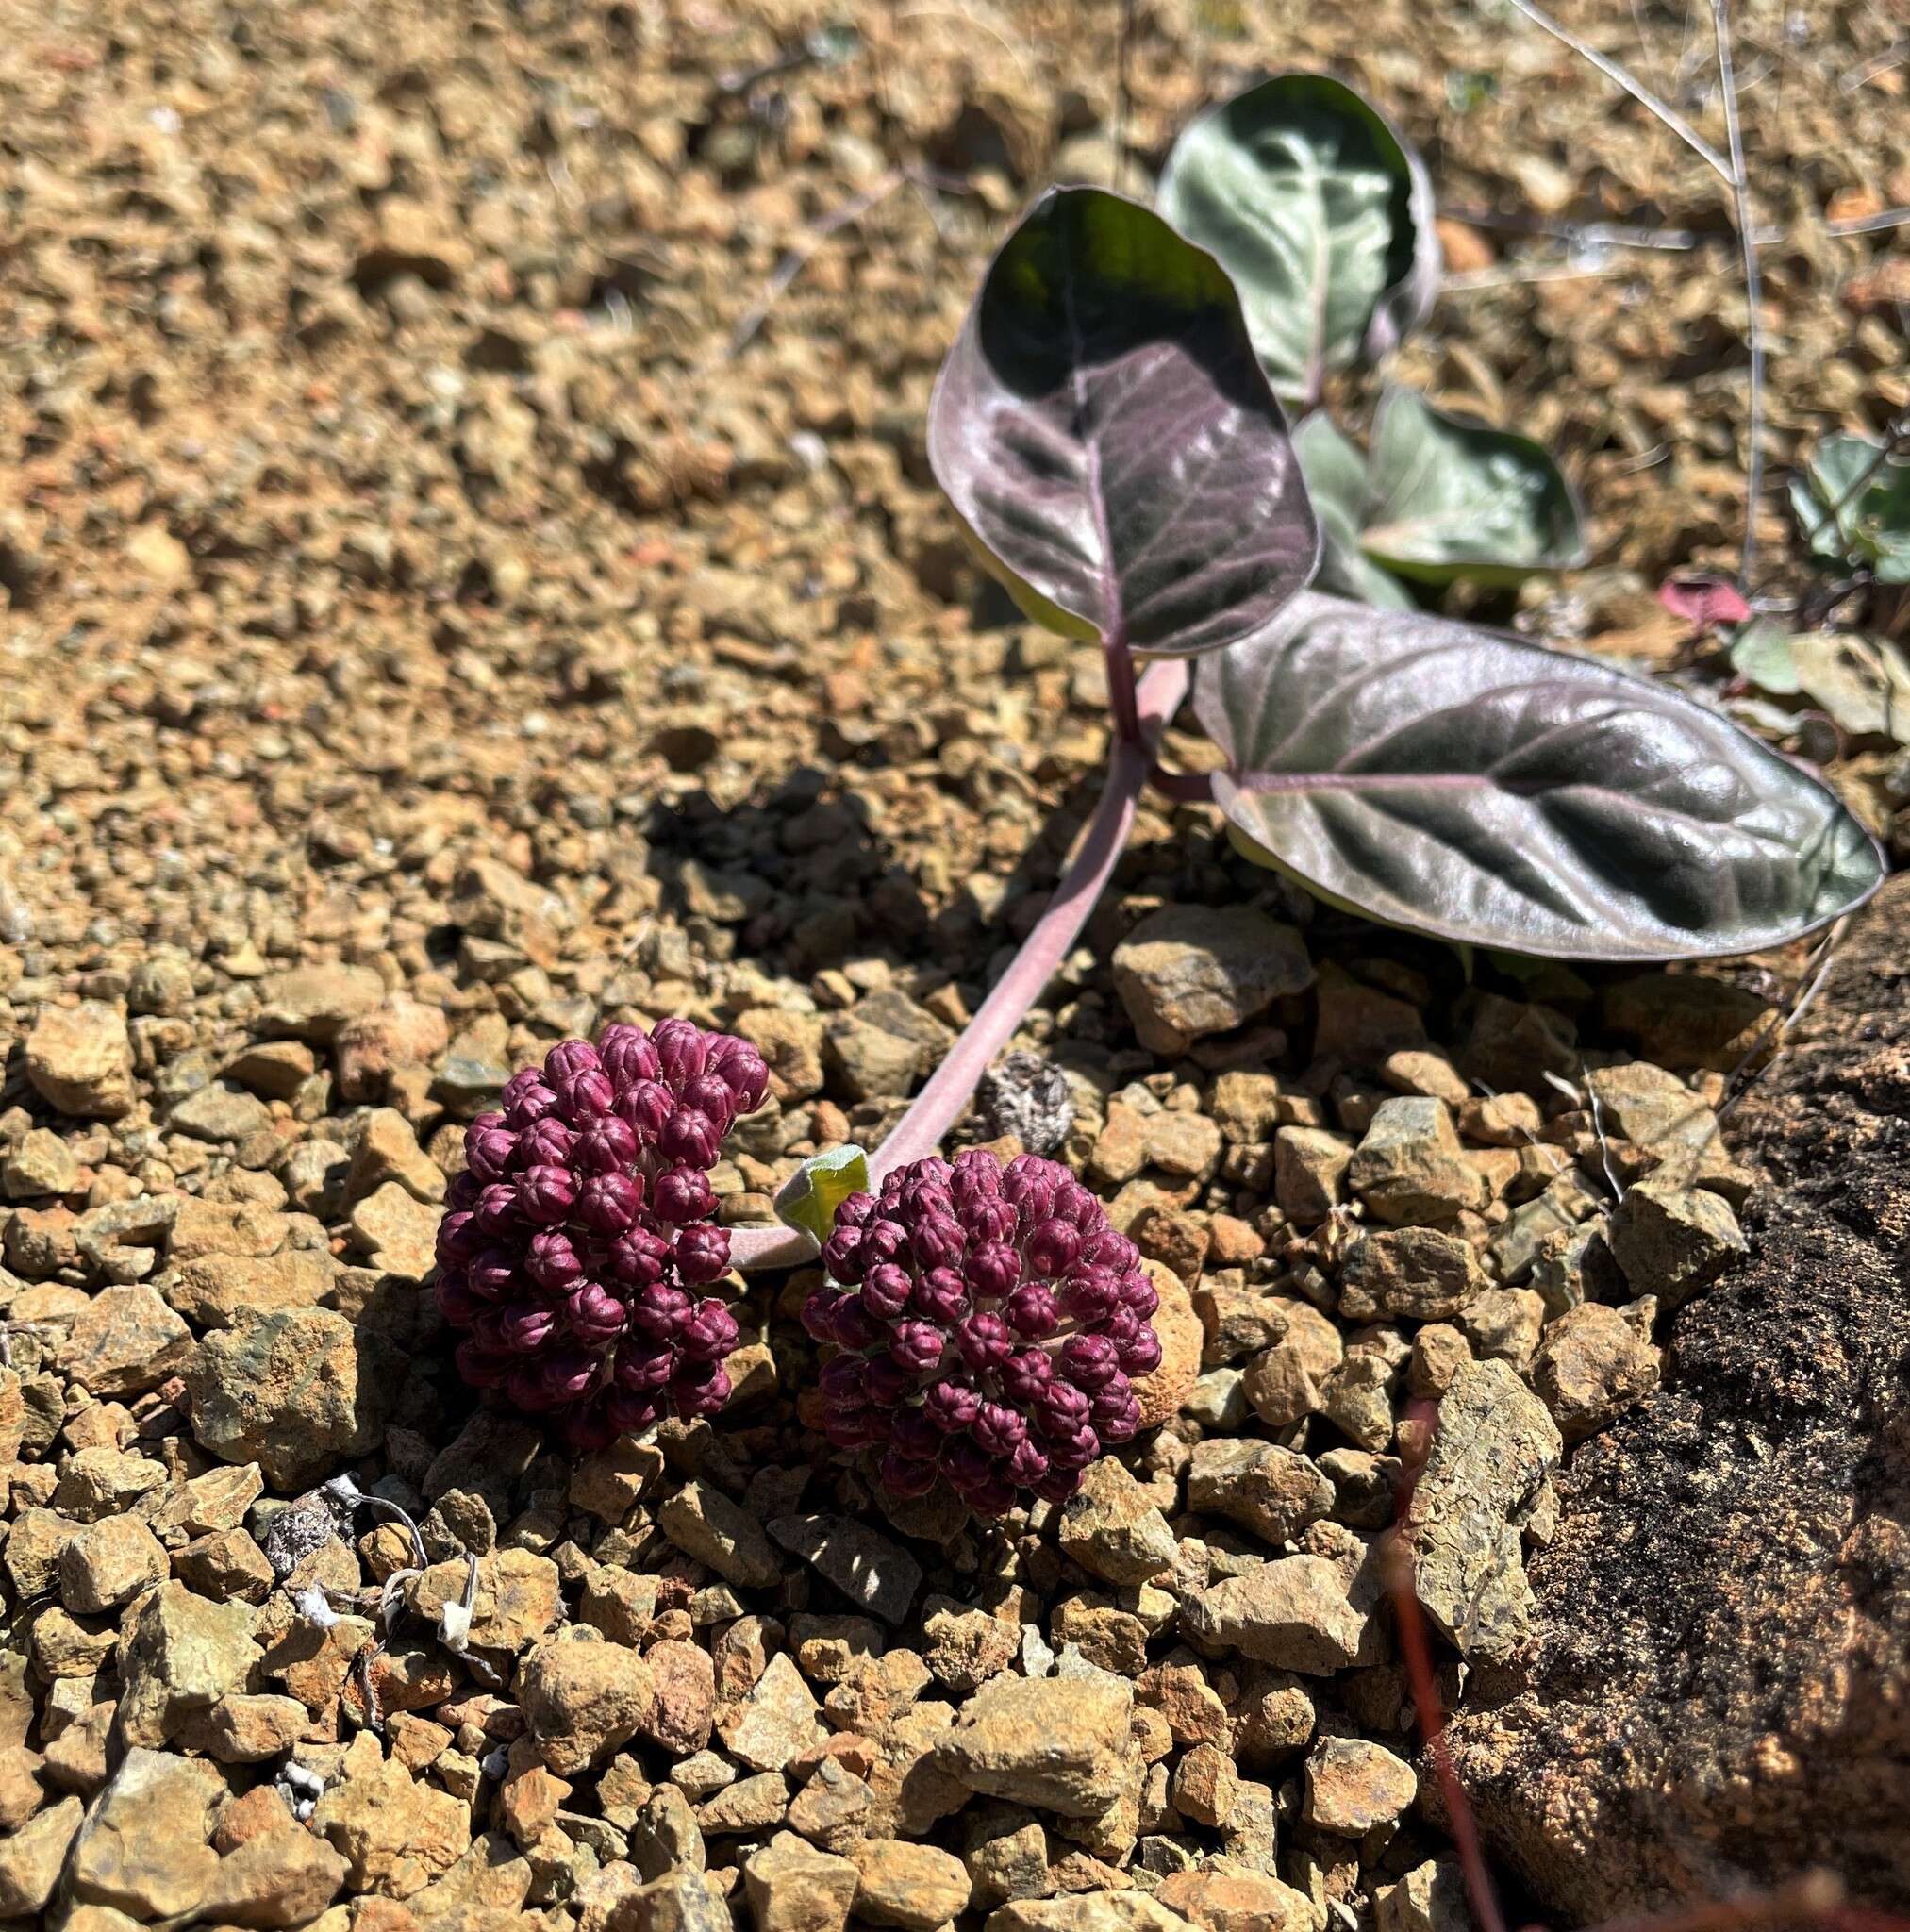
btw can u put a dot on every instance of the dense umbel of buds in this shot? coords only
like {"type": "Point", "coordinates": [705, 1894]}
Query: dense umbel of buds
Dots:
{"type": "Point", "coordinates": [576, 1240]}
{"type": "Point", "coordinates": [986, 1321]}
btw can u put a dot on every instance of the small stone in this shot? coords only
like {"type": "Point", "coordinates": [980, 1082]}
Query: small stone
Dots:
{"type": "Point", "coordinates": [1294, 1612]}
{"type": "Point", "coordinates": [107, 1564]}
{"type": "Point", "coordinates": [751, 1805]}
{"type": "Point", "coordinates": [780, 1719]}
{"type": "Point", "coordinates": [1672, 1242]}
{"type": "Point", "coordinates": [679, 1902]}
{"type": "Point", "coordinates": [1410, 1167]}
{"type": "Point", "coordinates": [865, 1063]}
{"type": "Point", "coordinates": [583, 1701]}
{"type": "Point", "coordinates": [101, 1481]}
{"type": "Point", "coordinates": [1361, 1024]}
{"type": "Point", "coordinates": [793, 1888]}
{"type": "Point", "coordinates": [791, 1044]}
{"type": "Point", "coordinates": [79, 1061]}
{"type": "Point", "coordinates": [41, 1164]}
{"type": "Point", "coordinates": [395, 1834]}
{"type": "Point", "coordinates": [1491, 1453]}
{"type": "Point", "coordinates": [1309, 1172]}
{"type": "Point", "coordinates": [397, 1231]}
{"type": "Point", "coordinates": [373, 1046]}
{"type": "Point", "coordinates": [1408, 1273]}
{"type": "Point", "coordinates": [1268, 1489]}
{"type": "Point", "coordinates": [1111, 1527]}
{"type": "Point", "coordinates": [1592, 1366]}
{"type": "Point", "coordinates": [386, 1150]}
{"type": "Point", "coordinates": [1430, 1898]}
{"type": "Point", "coordinates": [1188, 971]}
{"type": "Point", "coordinates": [212, 1289]}
{"type": "Point", "coordinates": [1205, 1785]}
{"type": "Point", "coordinates": [245, 1727]}
{"type": "Point", "coordinates": [916, 1887]}
{"type": "Point", "coordinates": [313, 1002]}
{"type": "Point", "coordinates": [125, 1341]}
{"type": "Point", "coordinates": [1186, 1145]}
{"type": "Point", "coordinates": [296, 1391]}
{"type": "Point", "coordinates": [1352, 1786]}
{"type": "Point", "coordinates": [179, 1656]}
{"type": "Point", "coordinates": [144, 1849]}
{"type": "Point", "coordinates": [1419, 1071]}
{"type": "Point", "coordinates": [966, 1647]}
{"type": "Point", "coordinates": [1006, 1856]}
{"type": "Point", "coordinates": [1216, 1900]}
{"type": "Point", "coordinates": [705, 1524]}
{"type": "Point", "coordinates": [1087, 1911]}
{"type": "Point", "coordinates": [32, 1858]}
{"type": "Point", "coordinates": [274, 1068]}
{"type": "Point", "coordinates": [1177, 1327]}
{"type": "Point", "coordinates": [220, 1114]}
{"type": "Point", "coordinates": [277, 1880]}
{"type": "Point", "coordinates": [875, 1574]}
{"type": "Point", "coordinates": [1358, 1399]}
{"type": "Point", "coordinates": [1029, 1097]}
{"type": "Point", "coordinates": [686, 1696]}
{"type": "Point", "coordinates": [1503, 1324]}
{"type": "Point", "coordinates": [1688, 1019]}
{"type": "Point", "coordinates": [1059, 1744]}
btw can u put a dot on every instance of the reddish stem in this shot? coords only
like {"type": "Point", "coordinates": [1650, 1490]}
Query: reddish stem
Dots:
{"type": "Point", "coordinates": [934, 1109]}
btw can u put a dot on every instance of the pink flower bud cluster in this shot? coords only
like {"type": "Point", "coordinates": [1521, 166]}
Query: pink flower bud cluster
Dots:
{"type": "Point", "coordinates": [985, 1321]}
{"type": "Point", "coordinates": [575, 1242]}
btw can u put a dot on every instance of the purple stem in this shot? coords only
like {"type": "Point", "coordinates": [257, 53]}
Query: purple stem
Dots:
{"type": "Point", "coordinates": [933, 1111]}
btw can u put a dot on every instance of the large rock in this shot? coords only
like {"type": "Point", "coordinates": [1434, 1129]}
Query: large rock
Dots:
{"type": "Point", "coordinates": [1714, 1698]}
{"type": "Point", "coordinates": [1048, 1742]}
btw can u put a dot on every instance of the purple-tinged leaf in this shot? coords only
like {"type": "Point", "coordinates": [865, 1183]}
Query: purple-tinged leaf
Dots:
{"type": "Point", "coordinates": [1102, 427]}
{"type": "Point", "coordinates": [1467, 784]}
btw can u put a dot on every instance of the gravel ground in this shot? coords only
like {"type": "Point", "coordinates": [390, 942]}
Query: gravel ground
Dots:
{"type": "Point", "coordinates": [430, 634]}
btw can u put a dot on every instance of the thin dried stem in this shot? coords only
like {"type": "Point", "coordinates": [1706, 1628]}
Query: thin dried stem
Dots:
{"type": "Point", "coordinates": [1753, 287]}
{"type": "Point", "coordinates": [1621, 76]}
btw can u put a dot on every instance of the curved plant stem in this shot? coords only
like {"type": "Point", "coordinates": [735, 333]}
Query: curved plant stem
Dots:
{"type": "Point", "coordinates": [934, 1109]}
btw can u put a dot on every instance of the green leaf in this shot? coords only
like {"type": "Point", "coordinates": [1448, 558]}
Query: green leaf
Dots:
{"type": "Point", "coordinates": [1336, 479]}
{"type": "Point", "coordinates": [1448, 496]}
{"type": "Point", "coordinates": [1102, 426]}
{"type": "Point", "coordinates": [809, 1198]}
{"type": "Point", "coordinates": [1853, 504]}
{"type": "Point", "coordinates": [1471, 786]}
{"type": "Point", "coordinates": [1861, 683]}
{"type": "Point", "coordinates": [1322, 215]}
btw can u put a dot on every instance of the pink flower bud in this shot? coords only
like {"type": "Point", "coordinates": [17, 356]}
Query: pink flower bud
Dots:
{"type": "Point", "coordinates": [681, 1194]}
{"type": "Point", "coordinates": [489, 1145]}
{"type": "Point", "coordinates": [627, 1055]}
{"type": "Point", "coordinates": [681, 1051]}
{"type": "Point", "coordinates": [702, 1254]}
{"type": "Point", "coordinates": [887, 1290]}
{"type": "Point", "coordinates": [607, 1145]}
{"type": "Point", "coordinates": [609, 1203]}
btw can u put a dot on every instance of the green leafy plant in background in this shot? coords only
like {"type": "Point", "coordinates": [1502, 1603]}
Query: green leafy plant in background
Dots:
{"type": "Point", "coordinates": [1851, 502]}
{"type": "Point", "coordinates": [1852, 505]}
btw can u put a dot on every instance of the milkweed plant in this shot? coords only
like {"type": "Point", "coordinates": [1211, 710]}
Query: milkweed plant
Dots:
{"type": "Point", "coordinates": [1111, 428]}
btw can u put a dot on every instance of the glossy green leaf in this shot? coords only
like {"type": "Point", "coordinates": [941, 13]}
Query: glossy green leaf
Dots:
{"type": "Point", "coordinates": [1450, 496]}
{"type": "Point", "coordinates": [1853, 504]}
{"type": "Point", "coordinates": [809, 1198]}
{"type": "Point", "coordinates": [1462, 783]}
{"type": "Point", "coordinates": [1441, 496]}
{"type": "Point", "coordinates": [1322, 215]}
{"type": "Point", "coordinates": [1335, 469]}
{"type": "Point", "coordinates": [1103, 429]}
